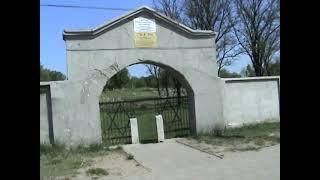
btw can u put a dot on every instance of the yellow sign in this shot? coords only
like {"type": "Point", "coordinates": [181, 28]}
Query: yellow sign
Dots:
{"type": "Point", "coordinates": [145, 39]}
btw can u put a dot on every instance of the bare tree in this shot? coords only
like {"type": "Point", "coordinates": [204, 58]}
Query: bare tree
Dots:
{"type": "Point", "coordinates": [178, 87]}
{"type": "Point", "coordinates": [155, 72]}
{"type": "Point", "coordinates": [171, 8]}
{"type": "Point", "coordinates": [258, 31]}
{"type": "Point", "coordinates": [206, 15]}
{"type": "Point", "coordinates": [165, 80]}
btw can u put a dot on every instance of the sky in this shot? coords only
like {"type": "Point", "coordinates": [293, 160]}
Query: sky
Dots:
{"type": "Point", "coordinates": [53, 20]}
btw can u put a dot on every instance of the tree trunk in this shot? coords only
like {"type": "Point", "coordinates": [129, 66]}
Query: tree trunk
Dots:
{"type": "Point", "coordinates": [166, 83]}
{"type": "Point", "coordinates": [158, 87]}
{"type": "Point", "coordinates": [178, 88]}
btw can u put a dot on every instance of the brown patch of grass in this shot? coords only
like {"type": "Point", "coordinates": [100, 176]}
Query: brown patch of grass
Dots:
{"type": "Point", "coordinates": [56, 161]}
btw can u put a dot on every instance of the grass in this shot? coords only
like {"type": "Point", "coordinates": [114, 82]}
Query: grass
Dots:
{"type": "Point", "coordinates": [249, 137]}
{"type": "Point", "coordinates": [147, 127]}
{"type": "Point", "coordinates": [246, 148]}
{"type": "Point", "coordinates": [254, 130]}
{"type": "Point", "coordinates": [58, 161]}
{"type": "Point", "coordinates": [97, 172]}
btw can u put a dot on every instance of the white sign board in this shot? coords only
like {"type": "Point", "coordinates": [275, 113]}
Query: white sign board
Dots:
{"type": "Point", "coordinates": [145, 25]}
{"type": "Point", "coordinates": [144, 33]}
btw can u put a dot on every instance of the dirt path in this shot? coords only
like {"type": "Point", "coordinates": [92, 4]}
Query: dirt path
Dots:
{"type": "Point", "coordinates": [171, 160]}
{"type": "Point", "coordinates": [174, 161]}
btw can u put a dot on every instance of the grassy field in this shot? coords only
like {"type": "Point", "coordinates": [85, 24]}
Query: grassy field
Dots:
{"type": "Point", "coordinates": [128, 94]}
{"type": "Point", "coordinates": [250, 137]}
{"type": "Point", "coordinates": [134, 93]}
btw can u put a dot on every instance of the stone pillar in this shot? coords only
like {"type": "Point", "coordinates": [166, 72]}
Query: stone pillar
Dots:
{"type": "Point", "coordinates": [134, 130]}
{"type": "Point", "coordinates": [160, 129]}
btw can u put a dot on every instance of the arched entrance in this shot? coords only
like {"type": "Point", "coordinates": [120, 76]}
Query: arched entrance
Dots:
{"type": "Point", "coordinates": [93, 56]}
{"type": "Point", "coordinates": [174, 103]}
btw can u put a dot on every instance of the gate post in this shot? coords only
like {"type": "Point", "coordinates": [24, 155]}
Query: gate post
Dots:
{"type": "Point", "coordinates": [160, 129]}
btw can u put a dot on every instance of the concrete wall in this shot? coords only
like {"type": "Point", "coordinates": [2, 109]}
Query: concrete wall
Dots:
{"type": "Point", "coordinates": [44, 128]}
{"type": "Point", "coordinates": [77, 120]}
{"type": "Point", "coordinates": [251, 100]}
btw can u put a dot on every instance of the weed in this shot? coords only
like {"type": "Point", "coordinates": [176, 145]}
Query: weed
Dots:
{"type": "Point", "coordinates": [247, 148]}
{"type": "Point", "coordinates": [259, 141]}
{"type": "Point", "coordinates": [52, 150]}
{"type": "Point", "coordinates": [97, 172]}
{"type": "Point", "coordinates": [130, 156]}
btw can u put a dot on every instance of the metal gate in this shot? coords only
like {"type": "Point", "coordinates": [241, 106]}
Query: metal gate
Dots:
{"type": "Point", "coordinates": [115, 117]}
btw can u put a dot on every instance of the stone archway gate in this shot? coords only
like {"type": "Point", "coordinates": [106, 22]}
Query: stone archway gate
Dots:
{"type": "Point", "coordinates": [93, 56]}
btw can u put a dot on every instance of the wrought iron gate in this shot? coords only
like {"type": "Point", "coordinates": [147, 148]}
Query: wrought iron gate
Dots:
{"type": "Point", "coordinates": [115, 117]}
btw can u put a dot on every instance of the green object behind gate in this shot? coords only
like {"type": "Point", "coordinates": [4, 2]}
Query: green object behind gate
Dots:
{"type": "Point", "coordinates": [147, 127]}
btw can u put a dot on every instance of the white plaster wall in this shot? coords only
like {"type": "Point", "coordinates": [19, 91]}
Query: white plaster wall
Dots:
{"type": "Point", "coordinates": [44, 126]}
{"type": "Point", "coordinates": [75, 108]}
{"type": "Point", "coordinates": [76, 119]}
{"type": "Point", "coordinates": [251, 100]}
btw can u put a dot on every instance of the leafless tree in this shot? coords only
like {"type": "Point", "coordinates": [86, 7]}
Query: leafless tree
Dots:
{"type": "Point", "coordinates": [258, 31]}
{"type": "Point", "coordinates": [206, 15]}
{"type": "Point", "coordinates": [171, 8]}
{"type": "Point", "coordinates": [155, 72]}
{"type": "Point", "coordinates": [164, 80]}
